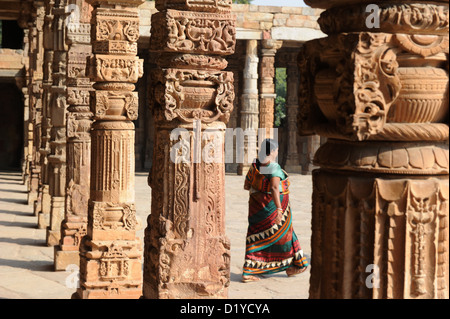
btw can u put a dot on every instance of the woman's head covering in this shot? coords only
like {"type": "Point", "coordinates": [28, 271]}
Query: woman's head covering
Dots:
{"type": "Point", "coordinates": [267, 147]}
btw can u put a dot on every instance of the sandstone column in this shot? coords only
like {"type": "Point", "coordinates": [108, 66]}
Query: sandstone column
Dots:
{"type": "Point", "coordinates": [235, 66]}
{"type": "Point", "coordinates": [58, 109]}
{"type": "Point", "coordinates": [110, 253]}
{"type": "Point", "coordinates": [250, 107]}
{"type": "Point", "coordinates": [43, 203]}
{"type": "Point", "coordinates": [377, 87]}
{"type": "Point", "coordinates": [187, 253]}
{"type": "Point", "coordinates": [35, 93]}
{"type": "Point", "coordinates": [26, 104]}
{"type": "Point", "coordinates": [78, 126]}
{"type": "Point", "coordinates": [267, 93]}
{"type": "Point", "coordinates": [292, 80]}
{"type": "Point", "coordinates": [24, 23]}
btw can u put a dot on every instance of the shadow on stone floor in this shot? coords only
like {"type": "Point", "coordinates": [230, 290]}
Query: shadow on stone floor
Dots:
{"type": "Point", "coordinates": [17, 224]}
{"type": "Point", "coordinates": [24, 241]}
{"type": "Point", "coordinates": [33, 265]}
{"type": "Point", "coordinates": [2, 181]}
{"type": "Point", "coordinates": [12, 190]}
{"type": "Point", "coordinates": [14, 200]}
{"type": "Point", "coordinates": [10, 177]}
{"type": "Point", "coordinates": [235, 277]}
{"type": "Point", "coordinates": [16, 212]}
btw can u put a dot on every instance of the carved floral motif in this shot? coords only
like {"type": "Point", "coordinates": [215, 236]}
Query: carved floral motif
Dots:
{"type": "Point", "coordinates": [192, 32]}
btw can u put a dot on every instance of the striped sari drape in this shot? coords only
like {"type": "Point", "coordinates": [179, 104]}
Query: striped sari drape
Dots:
{"type": "Point", "coordinates": [270, 247]}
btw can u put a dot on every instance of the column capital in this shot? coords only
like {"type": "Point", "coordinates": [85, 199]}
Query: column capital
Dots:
{"type": "Point", "coordinates": [117, 3]}
{"type": "Point", "coordinates": [271, 45]}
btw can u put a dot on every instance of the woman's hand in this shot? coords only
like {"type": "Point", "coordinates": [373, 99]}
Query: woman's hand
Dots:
{"type": "Point", "coordinates": [274, 184]}
{"type": "Point", "coordinates": [279, 216]}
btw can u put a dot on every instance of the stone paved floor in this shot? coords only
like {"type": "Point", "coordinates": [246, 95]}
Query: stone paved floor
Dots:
{"type": "Point", "coordinates": [26, 263]}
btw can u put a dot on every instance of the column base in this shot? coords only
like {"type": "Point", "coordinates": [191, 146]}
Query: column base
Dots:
{"type": "Point", "coordinates": [243, 169]}
{"type": "Point", "coordinates": [113, 293]}
{"type": "Point", "coordinates": [32, 197]}
{"type": "Point", "coordinates": [64, 258]}
{"type": "Point", "coordinates": [186, 290]}
{"type": "Point", "coordinates": [43, 220]}
{"type": "Point", "coordinates": [56, 218]}
{"type": "Point", "coordinates": [33, 188]}
{"type": "Point", "coordinates": [295, 169]}
{"type": "Point", "coordinates": [53, 237]}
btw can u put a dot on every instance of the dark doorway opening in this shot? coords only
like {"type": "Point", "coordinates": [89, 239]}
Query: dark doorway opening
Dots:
{"type": "Point", "coordinates": [11, 126]}
{"type": "Point", "coordinates": [11, 35]}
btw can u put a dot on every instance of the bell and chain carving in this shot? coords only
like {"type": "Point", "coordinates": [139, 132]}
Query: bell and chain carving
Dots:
{"type": "Point", "coordinates": [186, 253]}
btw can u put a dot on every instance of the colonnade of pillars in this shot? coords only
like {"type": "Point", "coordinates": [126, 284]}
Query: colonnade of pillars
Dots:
{"type": "Point", "coordinates": [254, 68]}
{"type": "Point", "coordinates": [379, 96]}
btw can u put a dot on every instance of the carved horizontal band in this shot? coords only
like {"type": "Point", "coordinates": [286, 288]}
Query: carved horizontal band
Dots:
{"type": "Point", "coordinates": [126, 3]}
{"type": "Point", "coordinates": [107, 104]}
{"type": "Point", "coordinates": [411, 18]}
{"type": "Point", "coordinates": [381, 157]}
{"type": "Point", "coordinates": [195, 5]}
{"type": "Point", "coordinates": [193, 32]}
{"type": "Point", "coordinates": [79, 33]}
{"type": "Point", "coordinates": [115, 47]}
{"type": "Point", "coordinates": [78, 96]}
{"type": "Point", "coordinates": [116, 27]}
{"type": "Point", "coordinates": [79, 126]}
{"type": "Point", "coordinates": [110, 68]}
{"type": "Point", "coordinates": [192, 61]}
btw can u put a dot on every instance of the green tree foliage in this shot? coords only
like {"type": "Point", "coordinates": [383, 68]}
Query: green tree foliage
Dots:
{"type": "Point", "coordinates": [281, 91]}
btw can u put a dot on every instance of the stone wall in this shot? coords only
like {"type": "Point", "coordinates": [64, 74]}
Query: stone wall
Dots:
{"type": "Point", "coordinates": [11, 62]}
{"type": "Point", "coordinates": [256, 22]}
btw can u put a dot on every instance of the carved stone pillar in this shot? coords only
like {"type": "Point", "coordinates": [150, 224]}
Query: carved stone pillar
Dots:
{"type": "Point", "coordinates": [58, 110]}
{"type": "Point", "coordinates": [187, 253]}
{"type": "Point", "coordinates": [292, 80]}
{"type": "Point", "coordinates": [27, 140]}
{"type": "Point", "coordinates": [35, 90]}
{"type": "Point", "coordinates": [381, 195]}
{"type": "Point", "coordinates": [110, 253]}
{"type": "Point", "coordinates": [78, 126]}
{"type": "Point", "coordinates": [235, 66]}
{"type": "Point", "coordinates": [43, 203]}
{"type": "Point", "coordinates": [308, 146]}
{"type": "Point", "coordinates": [250, 106]}
{"type": "Point", "coordinates": [267, 93]}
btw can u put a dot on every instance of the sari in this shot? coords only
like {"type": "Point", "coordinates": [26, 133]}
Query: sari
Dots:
{"type": "Point", "coordinates": [270, 247]}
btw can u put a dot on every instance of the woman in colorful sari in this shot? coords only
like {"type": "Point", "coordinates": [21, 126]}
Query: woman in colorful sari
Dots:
{"type": "Point", "coordinates": [272, 245]}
